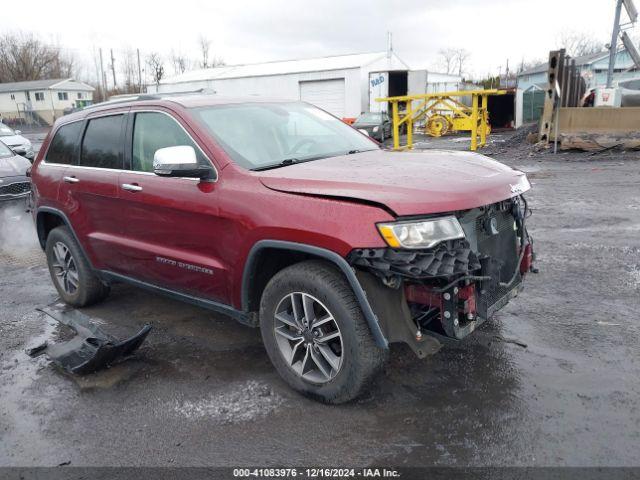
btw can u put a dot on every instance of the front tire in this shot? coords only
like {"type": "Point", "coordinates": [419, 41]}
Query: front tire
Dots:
{"type": "Point", "coordinates": [70, 271]}
{"type": "Point", "coordinates": [315, 334]}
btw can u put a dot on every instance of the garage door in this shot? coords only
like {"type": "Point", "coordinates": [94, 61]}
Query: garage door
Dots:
{"type": "Point", "coordinates": [326, 94]}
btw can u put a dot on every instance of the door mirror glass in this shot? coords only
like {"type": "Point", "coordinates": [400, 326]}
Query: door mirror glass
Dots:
{"type": "Point", "coordinates": [180, 161]}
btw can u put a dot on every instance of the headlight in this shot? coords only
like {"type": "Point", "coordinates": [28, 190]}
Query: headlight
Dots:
{"type": "Point", "coordinates": [376, 128]}
{"type": "Point", "coordinates": [422, 234]}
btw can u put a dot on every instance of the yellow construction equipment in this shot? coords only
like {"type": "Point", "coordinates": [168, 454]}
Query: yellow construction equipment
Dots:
{"type": "Point", "coordinates": [442, 113]}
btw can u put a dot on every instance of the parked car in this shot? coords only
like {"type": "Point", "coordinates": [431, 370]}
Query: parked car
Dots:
{"type": "Point", "coordinates": [285, 218]}
{"type": "Point", "coordinates": [14, 184]}
{"type": "Point", "coordinates": [376, 124]}
{"type": "Point", "coordinates": [16, 142]}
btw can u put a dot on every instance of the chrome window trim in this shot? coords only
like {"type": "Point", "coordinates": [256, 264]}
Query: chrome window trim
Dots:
{"type": "Point", "coordinates": [146, 110]}
{"type": "Point", "coordinates": [66, 165]}
{"type": "Point", "coordinates": [116, 170]}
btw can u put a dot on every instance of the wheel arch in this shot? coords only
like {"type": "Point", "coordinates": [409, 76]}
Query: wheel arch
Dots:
{"type": "Point", "coordinates": [267, 257]}
{"type": "Point", "coordinates": [48, 218]}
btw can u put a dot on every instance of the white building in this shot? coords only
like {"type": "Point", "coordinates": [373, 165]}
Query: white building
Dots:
{"type": "Point", "coordinates": [42, 101]}
{"type": "Point", "coordinates": [344, 85]}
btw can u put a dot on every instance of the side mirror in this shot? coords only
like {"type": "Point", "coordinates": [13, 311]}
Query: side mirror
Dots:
{"type": "Point", "coordinates": [17, 132]}
{"type": "Point", "coordinates": [180, 161]}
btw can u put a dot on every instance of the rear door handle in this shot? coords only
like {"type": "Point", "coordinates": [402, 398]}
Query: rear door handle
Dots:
{"type": "Point", "coordinates": [131, 187]}
{"type": "Point", "coordinates": [71, 179]}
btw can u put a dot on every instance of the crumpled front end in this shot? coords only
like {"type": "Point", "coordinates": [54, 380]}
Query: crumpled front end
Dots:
{"type": "Point", "coordinates": [455, 286]}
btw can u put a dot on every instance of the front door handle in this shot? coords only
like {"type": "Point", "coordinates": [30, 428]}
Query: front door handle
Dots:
{"type": "Point", "coordinates": [131, 187]}
{"type": "Point", "coordinates": [71, 179]}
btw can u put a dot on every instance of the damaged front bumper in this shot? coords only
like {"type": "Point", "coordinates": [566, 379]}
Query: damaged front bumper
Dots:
{"type": "Point", "coordinates": [452, 288]}
{"type": "Point", "coordinates": [91, 349]}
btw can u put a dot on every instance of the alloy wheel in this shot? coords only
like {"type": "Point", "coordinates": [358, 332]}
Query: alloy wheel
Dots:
{"type": "Point", "coordinates": [65, 269]}
{"type": "Point", "coordinates": [308, 337]}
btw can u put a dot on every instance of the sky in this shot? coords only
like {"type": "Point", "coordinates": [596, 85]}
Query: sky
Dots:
{"type": "Point", "coordinates": [251, 31]}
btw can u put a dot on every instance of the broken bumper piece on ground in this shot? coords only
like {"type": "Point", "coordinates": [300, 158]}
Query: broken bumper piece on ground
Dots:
{"type": "Point", "coordinates": [91, 349]}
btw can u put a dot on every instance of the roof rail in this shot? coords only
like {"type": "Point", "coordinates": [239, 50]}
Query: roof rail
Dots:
{"type": "Point", "coordinates": [138, 97]}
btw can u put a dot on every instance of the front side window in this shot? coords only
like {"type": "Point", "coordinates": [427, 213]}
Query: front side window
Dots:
{"type": "Point", "coordinates": [63, 145]}
{"type": "Point", "coordinates": [102, 146]}
{"type": "Point", "coordinates": [370, 117]}
{"type": "Point", "coordinates": [153, 131]}
{"type": "Point", "coordinates": [5, 151]}
{"type": "Point", "coordinates": [6, 131]}
{"type": "Point", "coordinates": [266, 135]}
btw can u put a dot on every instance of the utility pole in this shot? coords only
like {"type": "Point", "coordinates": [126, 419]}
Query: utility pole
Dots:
{"type": "Point", "coordinates": [139, 72]}
{"type": "Point", "coordinates": [506, 80]}
{"type": "Point", "coordinates": [103, 79]}
{"type": "Point", "coordinates": [613, 47]}
{"type": "Point", "coordinates": [113, 69]}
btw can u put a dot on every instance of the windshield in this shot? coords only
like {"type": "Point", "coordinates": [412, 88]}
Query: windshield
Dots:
{"type": "Point", "coordinates": [262, 135]}
{"type": "Point", "coordinates": [5, 151]}
{"type": "Point", "coordinates": [5, 131]}
{"type": "Point", "coordinates": [369, 118]}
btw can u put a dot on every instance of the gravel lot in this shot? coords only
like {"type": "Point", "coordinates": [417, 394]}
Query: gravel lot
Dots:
{"type": "Point", "coordinates": [201, 391]}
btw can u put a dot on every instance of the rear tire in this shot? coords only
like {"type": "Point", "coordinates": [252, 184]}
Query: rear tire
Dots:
{"type": "Point", "coordinates": [353, 357]}
{"type": "Point", "coordinates": [70, 271]}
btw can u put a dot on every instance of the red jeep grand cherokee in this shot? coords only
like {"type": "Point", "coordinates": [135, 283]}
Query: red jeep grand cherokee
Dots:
{"type": "Point", "coordinates": [281, 216]}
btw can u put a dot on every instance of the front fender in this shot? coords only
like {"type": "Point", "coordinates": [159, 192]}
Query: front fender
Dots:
{"type": "Point", "coordinates": [337, 260]}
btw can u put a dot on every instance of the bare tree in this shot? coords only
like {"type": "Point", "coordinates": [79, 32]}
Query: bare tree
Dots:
{"type": "Point", "coordinates": [208, 60]}
{"type": "Point", "coordinates": [156, 67]}
{"type": "Point", "coordinates": [453, 59]}
{"type": "Point", "coordinates": [528, 64]}
{"type": "Point", "coordinates": [23, 56]}
{"type": "Point", "coordinates": [577, 44]}
{"type": "Point", "coordinates": [461, 58]}
{"type": "Point", "coordinates": [205, 44]}
{"type": "Point", "coordinates": [447, 59]}
{"type": "Point", "coordinates": [129, 71]}
{"type": "Point", "coordinates": [180, 63]}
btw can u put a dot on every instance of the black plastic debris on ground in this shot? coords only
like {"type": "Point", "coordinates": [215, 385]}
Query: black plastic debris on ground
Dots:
{"type": "Point", "coordinates": [91, 349]}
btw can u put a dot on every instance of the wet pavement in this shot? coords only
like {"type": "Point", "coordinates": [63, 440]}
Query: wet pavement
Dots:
{"type": "Point", "coordinates": [201, 390]}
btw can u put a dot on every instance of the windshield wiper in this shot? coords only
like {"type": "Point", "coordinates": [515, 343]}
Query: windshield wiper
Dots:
{"type": "Point", "coordinates": [286, 162]}
{"type": "Point", "coordinates": [351, 152]}
{"type": "Point", "coordinates": [283, 163]}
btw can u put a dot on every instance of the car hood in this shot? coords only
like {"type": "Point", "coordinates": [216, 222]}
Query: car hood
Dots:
{"type": "Point", "coordinates": [13, 140]}
{"type": "Point", "coordinates": [361, 125]}
{"type": "Point", "coordinates": [408, 183]}
{"type": "Point", "coordinates": [13, 166]}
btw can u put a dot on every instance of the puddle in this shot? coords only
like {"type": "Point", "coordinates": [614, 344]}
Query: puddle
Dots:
{"type": "Point", "coordinates": [23, 401]}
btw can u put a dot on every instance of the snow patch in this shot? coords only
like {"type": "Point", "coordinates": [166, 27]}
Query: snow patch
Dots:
{"type": "Point", "coordinates": [244, 402]}
{"type": "Point", "coordinates": [635, 276]}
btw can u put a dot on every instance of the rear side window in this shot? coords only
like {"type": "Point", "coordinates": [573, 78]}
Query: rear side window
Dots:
{"type": "Point", "coordinates": [63, 145]}
{"type": "Point", "coordinates": [102, 146]}
{"type": "Point", "coordinates": [153, 131]}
